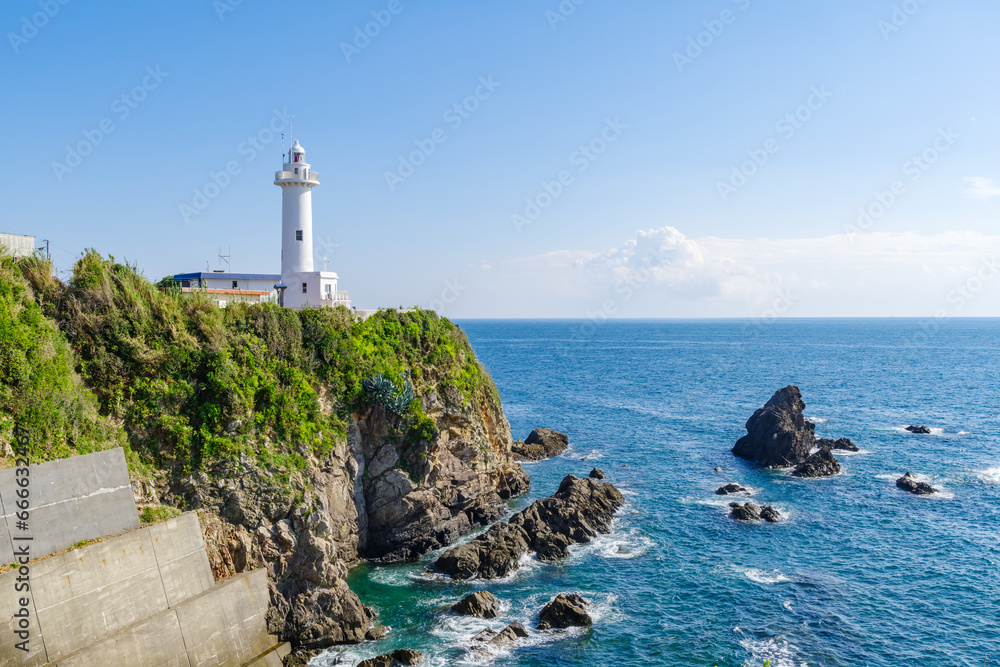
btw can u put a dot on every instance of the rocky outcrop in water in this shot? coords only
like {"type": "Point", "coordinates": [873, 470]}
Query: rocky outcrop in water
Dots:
{"type": "Point", "coordinates": [542, 443]}
{"type": "Point", "coordinates": [909, 483]}
{"type": "Point", "coordinates": [819, 464]}
{"type": "Point", "coordinates": [777, 434]}
{"type": "Point", "coordinates": [565, 611]}
{"type": "Point", "coordinates": [751, 513]}
{"type": "Point", "coordinates": [598, 474]}
{"type": "Point", "coordinates": [395, 659]}
{"type": "Point", "coordinates": [919, 430]}
{"type": "Point", "coordinates": [842, 444]}
{"type": "Point", "coordinates": [505, 637]}
{"type": "Point", "coordinates": [579, 510]}
{"type": "Point", "coordinates": [729, 489]}
{"type": "Point", "coordinates": [481, 604]}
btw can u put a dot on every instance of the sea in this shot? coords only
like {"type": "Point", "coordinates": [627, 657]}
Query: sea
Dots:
{"type": "Point", "coordinates": [857, 572]}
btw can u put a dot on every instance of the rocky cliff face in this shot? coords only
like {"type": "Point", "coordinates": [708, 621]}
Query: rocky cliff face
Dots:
{"type": "Point", "coordinates": [376, 496]}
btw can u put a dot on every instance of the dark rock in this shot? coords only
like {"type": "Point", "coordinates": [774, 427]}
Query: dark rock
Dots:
{"type": "Point", "coordinates": [718, 469]}
{"type": "Point", "coordinates": [566, 610]}
{"type": "Point", "coordinates": [542, 443]}
{"type": "Point", "coordinates": [746, 512]}
{"type": "Point", "coordinates": [505, 637]}
{"type": "Point", "coordinates": [597, 474]}
{"type": "Point", "coordinates": [481, 604]}
{"type": "Point", "coordinates": [574, 514]}
{"type": "Point", "coordinates": [769, 514]}
{"type": "Point", "coordinates": [376, 632]}
{"type": "Point", "coordinates": [778, 434]}
{"type": "Point", "coordinates": [394, 659]}
{"type": "Point", "coordinates": [920, 430]}
{"type": "Point", "coordinates": [730, 488]}
{"type": "Point", "coordinates": [843, 444]}
{"type": "Point", "coordinates": [909, 483]}
{"type": "Point", "coordinates": [821, 464]}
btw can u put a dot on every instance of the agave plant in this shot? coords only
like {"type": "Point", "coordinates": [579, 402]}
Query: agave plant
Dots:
{"type": "Point", "coordinates": [380, 389]}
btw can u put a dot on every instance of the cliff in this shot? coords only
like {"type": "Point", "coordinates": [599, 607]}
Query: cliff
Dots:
{"type": "Point", "coordinates": [307, 440]}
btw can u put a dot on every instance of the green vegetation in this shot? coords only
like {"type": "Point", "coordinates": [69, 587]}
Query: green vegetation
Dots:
{"type": "Point", "coordinates": [158, 514]}
{"type": "Point", "coordinates": [182, 383]}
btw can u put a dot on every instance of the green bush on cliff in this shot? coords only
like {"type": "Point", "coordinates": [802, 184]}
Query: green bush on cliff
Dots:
{"type": "Point", "coordinates": [192, 383]}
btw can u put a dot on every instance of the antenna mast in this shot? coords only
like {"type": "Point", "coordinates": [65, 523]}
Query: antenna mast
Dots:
{"type": "Point", "coordinates": [226, 258]}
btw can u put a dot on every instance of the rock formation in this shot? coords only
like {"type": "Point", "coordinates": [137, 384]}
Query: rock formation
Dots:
{"type": "Point", "coordinates": [481, 604]}
{"type": "Point", "coordinates": [750, 512]}
{"type": "Point", "coordinates": [575, 514]}
{"type": "Point", "coordinates": [909, 483]}
{"type": "Point", "coordinates": [395, 659]}
{"type": "Point", "coordinates": [505, 637]}
{"type": "Point", "coordinates": [777, 434]}
{"type": "Point", "coordinates": [819, 464]}
{"type": "Point", "coordinates": [566, 610]}
{"type": "Point", "coordinates": [919, 430]}
{"type": "Point", "coordinates": [730, 489]}
{"type": "Point", "coordinates": [843, 444]}
{"type": "Point", "coordinates": [598, 474]}
{"type": "Point", "coordinates": [542, 443]}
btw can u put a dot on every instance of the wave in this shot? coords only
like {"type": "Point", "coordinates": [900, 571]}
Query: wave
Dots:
{"type": "Point", "coordinates": [816, 420]}
{"type": "Point", "coordinates": [779, 652]}
{"type": "Point", "coordinates": [618, 544]}
{"type": "Point", "coordinates": [990, 475]}
{"type": "Point", "coordinates": [762, 577]}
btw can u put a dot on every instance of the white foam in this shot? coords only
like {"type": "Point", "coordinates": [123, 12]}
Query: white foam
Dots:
{"type": "Point", "coordinates": [778, 651]}
{"type": "Point", "coordinates": [934, 430]}
{"type": "Point", "coordinates": [990, 475]}
{"type": "Point", "coordinates": [594, 455]}
{"type": "Point", "coordinates": [618, 544]}
{"type": "Point", "coordinates": [762, 577]}
{"type": "Point", "coordinates": [817, 420]}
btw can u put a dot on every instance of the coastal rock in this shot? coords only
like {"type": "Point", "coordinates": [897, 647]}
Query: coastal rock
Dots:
{"type": "Point", "coordinates": [729, 489]}
{"type": "Point", "coordinates": [542, 443]}
{"type": "Point", "coordinates": [481, 604]}
{"type": "Point", "coordinates": [769, 514]}
{"type": "Point", "coordinates": [566, 610]}
{"type": "Point", "coordinates": [598, 474]}
{"type": "Point", "coordinates": [574, 514]}
{"type": "Point", "coordinates": [843, 444]}
{"type": "Point", "coordinates": [395, 659]}
{"type": "Point", "coordinates": [376, 632]}
{"type": "Point", "coordinates": [750, 512]}
{"type": "Point", "coordinates": [821, 464]}
{"type": "Point", "coordinates": [909, 483]}
{"type": "Point", "coordinates": [777, 434]}
{"type": "Point", "coordinates": [919, 430]}
{"type": "Point", "coordinates": [505, 637]}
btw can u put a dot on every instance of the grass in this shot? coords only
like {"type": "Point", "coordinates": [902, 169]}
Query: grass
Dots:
{"type": "Point", "coordinates": [158, 514]}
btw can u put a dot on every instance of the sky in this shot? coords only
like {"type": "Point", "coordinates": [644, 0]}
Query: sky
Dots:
{"type": "Point", "coordinates": [555, 158]}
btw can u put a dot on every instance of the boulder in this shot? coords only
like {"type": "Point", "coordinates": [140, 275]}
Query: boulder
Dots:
{"type": "Point", "coordinates": [745, 512]}
{"type": "Point", "coordinates": [394, 659]}
{"type": "Point", "coordinates": [777, 434]}
{"type": "Point", "coordinates": [542, 443]}
{"type": "Point", "coordinates": [920, 430]}
{"type": "Point", "coordinates": [821, 464]}
{"type": "Point", "coordinates": [909, 483]}
{"type": "Point", "coordinates": [598, 474]}
{"type": "Point", "coordinates": [481, 604]}
{"type": "Point", "coordinates": [843, 444]}
{"type": "Point", "coordinates": [505, 637]}
{"type": "Point", "coordinates": [566, 610]}
{"type": "Point", "coordinates": [579, 510]}
{"type": "Point", "coordinates": [376, 632]}
{"type": "Point", "coordinates": [730, 488]}
{"type": "Point", "coordinates": [769, 514]}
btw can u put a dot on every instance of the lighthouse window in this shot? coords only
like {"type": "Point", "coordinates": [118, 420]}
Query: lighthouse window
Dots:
{"type": "Point", "coordinates": [296, 170]}
{"type": "Point", "coordinates": [298, 234]}
{"type": "Point", "coordinates": [305, 288]}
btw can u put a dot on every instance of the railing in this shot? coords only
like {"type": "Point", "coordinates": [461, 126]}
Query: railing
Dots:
{"type": "Point", "coordinates": [336, 298]}
{"type": "Point", "coordinates": [313, 177]}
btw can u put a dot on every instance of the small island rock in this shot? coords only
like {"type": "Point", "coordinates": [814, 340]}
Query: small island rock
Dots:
{"type": "Point", "coordinates": [542, 443]}
{"type": "Point", "coordinates": [919, 430]}
{"type": "Point", "coordinates": [821, 464]}
{"type": "Point", "coordinates": [596, 473]}
{"type": "Point", "coordinates": [566, 610]}
{"type": "Point", "coordinates": [750, 512]}
{"type": "Point", "coordinates": [730, 488]}
{"type": "Point", "coordinates": [481, 604]}
{"type": "Point", "coordinates": [843, 444]}
{"type": "Point", "coordinates": [777, 434]}
{"type": "Point", "coordinates": [909, 483]}
{"type": "Point", "coordinates": [505, 637]}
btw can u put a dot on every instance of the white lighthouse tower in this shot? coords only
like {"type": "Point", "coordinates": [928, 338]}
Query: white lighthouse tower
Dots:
{"type": "Point", "coordinates": [303, 285]}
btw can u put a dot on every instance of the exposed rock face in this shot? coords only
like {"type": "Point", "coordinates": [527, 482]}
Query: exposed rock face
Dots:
{"type": "Point", "coordinates": [750, 512]}
{"type": "Point", "coordinates": [376, 632]}
{"type": "Point", "coordinates": [566, 610]}
{"type": "Point", "coordinates": [777, 434]}
{"type": "Point", "coordinates": [820, 464]}
{"type": "Point", "coordinates": [843, 444]}
{"type": "Point", "coordinates": [542, 443]}
{"type": "Point", "coordinates": [598, 474]}
{"type": "Point", "coordinates": [398, 657]}
{"type": "Point", "coordinates": [575, 514]}
{"type": "Point", "coordinates": [505, 637]}
{"type": "Point", "coordinates": [909, 483]}
{"type": "Point", "coordinates": [730, 489]}
{"type": "Point", "coordinates": [920, 430]}
{"type": "Point", "coordinates": [481, 604]}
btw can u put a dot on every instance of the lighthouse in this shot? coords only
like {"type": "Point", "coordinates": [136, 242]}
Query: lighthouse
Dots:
{"type": "Point", "coordinates": [303, 285]}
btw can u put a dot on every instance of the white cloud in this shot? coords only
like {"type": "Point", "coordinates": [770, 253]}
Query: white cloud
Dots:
{"type": "Point", "coordinates": [981, 188]}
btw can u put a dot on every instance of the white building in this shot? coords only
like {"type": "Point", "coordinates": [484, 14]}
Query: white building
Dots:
{"type": "Point", "coordinates": [18, 245]}
{"type": "Point", "coordinates": [299, 285]}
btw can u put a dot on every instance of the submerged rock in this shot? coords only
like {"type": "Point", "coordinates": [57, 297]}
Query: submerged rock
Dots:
{"type": "Point", "coordinates": [481, 604]}
{"type": "Point", "coordinates": [542, 443]}
{"type": "Point", "coordinates": [729, 489]}
{"type": "Point", "coordinates": [909, 483]}
{"type": "Point", "coordinates": [821, 464]}
{"type": "Point", "coordinates": [777, 434]}
{"type": "Point", "coordinates": [398, 657]}
{"type": "Point", "coordinates": [750, 512]}
{"type": "Point", "coordinates": [579, 510]}
{"type": "Point", "coordinates": [566, 610]}
{"type": "Point", "coordinates": [843, 444]}
{"type": "Point", "coordinates": [920, 430]}
{"type": "Point", "coordinates": [598, 474]}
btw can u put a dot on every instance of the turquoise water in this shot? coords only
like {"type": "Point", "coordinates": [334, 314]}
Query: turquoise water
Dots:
{"type": "Point", "coordinates": [857, 573]}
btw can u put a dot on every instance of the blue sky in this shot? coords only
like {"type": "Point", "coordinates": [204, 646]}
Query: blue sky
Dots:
{"type": "Point", "coordinates": [651, 222]}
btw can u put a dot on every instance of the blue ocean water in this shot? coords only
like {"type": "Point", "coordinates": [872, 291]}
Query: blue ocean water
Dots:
{"type": "Point", "coordinates": [857, 573]}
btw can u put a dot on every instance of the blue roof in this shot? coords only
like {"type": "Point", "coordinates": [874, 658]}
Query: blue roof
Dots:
{"type": "Point", "coordinates": [226, 276]}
